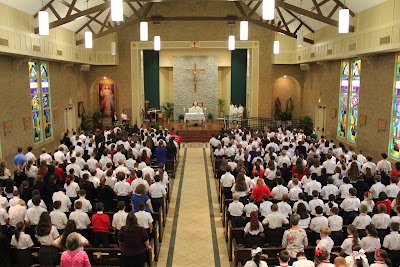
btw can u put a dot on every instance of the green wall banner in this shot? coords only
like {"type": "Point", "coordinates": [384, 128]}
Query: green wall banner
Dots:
{"type": "Point", "coordinates": [151, 66]}
{"type": "Point", "coordinates": [238, 76]}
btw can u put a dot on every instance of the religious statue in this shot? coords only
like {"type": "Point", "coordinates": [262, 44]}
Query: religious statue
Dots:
{"type": "Point", "coordinates": [278, 108]}
{"type": "Point", "coordinates": [231, 107]}
{"type": "Point", "coordinates": [195, 70]}
{"type": "Point", "coordinates": [289, 105]}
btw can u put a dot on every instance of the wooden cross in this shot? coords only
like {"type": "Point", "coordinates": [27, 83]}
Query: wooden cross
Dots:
{"type": "Point", "coordinates": [195, 70]}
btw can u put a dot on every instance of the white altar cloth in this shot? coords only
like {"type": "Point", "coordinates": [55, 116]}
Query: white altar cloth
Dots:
{"type": "Point", "coordinates": [194, 117]}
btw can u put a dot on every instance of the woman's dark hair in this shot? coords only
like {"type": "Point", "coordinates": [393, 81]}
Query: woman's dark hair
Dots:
{"type": "Point", "coordinates": [331, 200]}
{"type": "Point", "coordinates": [18, 229]}
{"type": "Point", "coordinates": [70, 227]}
{"type": "Point", "coordinates": [44, 226]}
{"type": "Point", "coordinates": [271, 164]}
{"type": "Point", "coordinates": [69, 179]}
{"type": "Point", "coordinates": [320, 255]}
{"type": "Point", "coordinates": [372, 230]}
{"type": "Point", "coordinates": [299, 166]}
{"type": "Point", "coordinates": [2, 168]}
{"type": "Point", "coordinates": [257, 259]}
{"type": "Point", "coordinates": [384, 256]}
{"type": "Point", "coordinates": [359, 261]}
{"type": "Point", "coordinates": [24, 185]}
{"type": "Point", "coordinates": [9, 186]}
{"type": "Point", "coordinates": [131, 223]}
{"type": "Point", "coordinates": [302, 211]}
{"type": "Point", "coordinates": [240, 185]}
{"type": "Point", "coordinates": [353, 230]}
{"type": "Point", "coordinates": [382, 196]}
{"type": "Point", "coordinates": [254, 223]}
{"type": "Point", "coordinates": [397, 165]}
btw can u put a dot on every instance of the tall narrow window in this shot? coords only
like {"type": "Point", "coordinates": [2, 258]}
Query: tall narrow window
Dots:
{"type": "Point", "coordinates": [394, 142]}
{"type": "Point", "coordinates": [40, 101]}
{"type": "Point", "coordinates": [349, 99]}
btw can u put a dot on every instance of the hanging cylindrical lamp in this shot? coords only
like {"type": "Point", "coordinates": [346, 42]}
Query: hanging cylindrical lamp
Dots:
{"type": "Point", "coordinates": [117, 10]}
{"type": "Point", "coordinates": [244, 30]}
{"type": "Point", "coordinates": [268, 9]}
{"type": "Point", "coordinates": [231, 42]}
{"type": "Point", "coordinates": [113, 48]}
{"type": "Point", "coordinates": [157, 43]}
{"type": "Point", "coordinates": [276, 47]}
{"type": "Point", "coordinates": [300, 38]}
{"type": "Point", "coordinates": [144, 31]}
{"type": "Point", "coordinates": [88, 39]}
{"type": "Point", "coordinates": [43, 22]}
{"type": "Point", "coordinates": [344, 20]}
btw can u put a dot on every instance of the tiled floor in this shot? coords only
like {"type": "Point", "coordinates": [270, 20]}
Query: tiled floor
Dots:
{"type": "Point", "coordinates": [193, 244]}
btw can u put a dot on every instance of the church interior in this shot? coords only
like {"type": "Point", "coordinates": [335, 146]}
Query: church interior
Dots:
{"type": "Point", "coordinates": [198, 66]}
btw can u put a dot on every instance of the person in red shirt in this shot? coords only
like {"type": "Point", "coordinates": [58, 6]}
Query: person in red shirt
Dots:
{"type": "Point", "coordinates": [59, 172]}
{"type": "Point", "coordinates": [259, 190]}
{"type": "Point", "coordinates": [383, 199]}
{"type": "Point", "coordinates": [396, 172]}
{"type": "Point", "coordinates": [101, 225]}
{"type": "Point", "coordinates": [299, 168]}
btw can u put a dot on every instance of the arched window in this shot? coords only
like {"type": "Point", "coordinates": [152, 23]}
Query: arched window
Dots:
{"type": "Point", "coordinates": [349, 99]}
{"type": "Point", "coordinates": [40, 99]}
{"type": "Point", "coordinates": [394, 142]}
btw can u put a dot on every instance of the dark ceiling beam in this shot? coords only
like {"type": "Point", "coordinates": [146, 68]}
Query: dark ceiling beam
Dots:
{"type": "Point", "coordinates": [317, 7]}
{"type": "Point", "coordinates": [299, 20]}
{"type": "Point", "coordinates": [54, 12]}
{"type": "Point", "coordinates": [73, 17]}
{"type": "Point", "coordinates": [105, 21]}
{"type": "Point", "coordinates": [254, 9]}
{"type": "Point", "coordinates": [241, 10]}
{"type": "Point", "coordinates": [277, 29]}
{"type": "Point", "coordinates": [283, 19]}
{"type": "Point", "coordinates": [135, 11]}
{"type": "Point", "coordinates": [71, 7]}
{"type": "Point", "coordinates": [344, 6]}
{"type": "Point", "coordinates": [333, 11]}
{"type": "Point", "coordinates": [44, 8]}
{"type": "Point", "coordinates": [90, 20]}
{"type": "Point", "coordinates": [310, 14]}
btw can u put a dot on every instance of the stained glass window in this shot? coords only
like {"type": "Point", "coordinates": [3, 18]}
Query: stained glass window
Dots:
{"type": "Point", "coordinates": [40, 101]}
{"type": "Point", "coordinates": [349, 99]}
{"type": "Point", "coordinates": [394, 144]}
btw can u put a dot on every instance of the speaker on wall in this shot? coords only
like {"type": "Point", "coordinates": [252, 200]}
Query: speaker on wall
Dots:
{"type": "Point", "coordinates": [85, 67]}
{"type": "Point", "coordinates": [305, 66]}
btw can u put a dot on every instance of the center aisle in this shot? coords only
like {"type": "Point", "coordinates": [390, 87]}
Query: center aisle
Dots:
{"type": "Point", "coordinates": [192, 237]}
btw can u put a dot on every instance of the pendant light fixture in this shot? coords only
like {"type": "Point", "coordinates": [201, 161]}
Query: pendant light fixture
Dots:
{"type": "Point", "coordinates": [117, 10]}
{"type": "Point", "coordinates": [344, 20]}
{"type": "Point", "coordinates": [113, 48]}
{"type": "Point", "coordinates": [157, 43]}
{"type": "Point", "coordinates": [244, 30]}
{"type": "Point", "coordinates": [88, 34]}
{"type": "Point", "coordinates": [268, 9]}
{"type": "Point", "coordinates": [231, 42]}
{"type": "Point", "coordinates": [43, 22]}
{"type": "Point", "coordinates": [144, 31]}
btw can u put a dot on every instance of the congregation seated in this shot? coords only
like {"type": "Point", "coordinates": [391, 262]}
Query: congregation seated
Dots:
{"type": "Point", "coordinates": [342, 198]}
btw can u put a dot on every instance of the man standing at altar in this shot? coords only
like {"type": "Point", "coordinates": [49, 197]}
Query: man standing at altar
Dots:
{"type": "Point", "coordinates": [196, 108]}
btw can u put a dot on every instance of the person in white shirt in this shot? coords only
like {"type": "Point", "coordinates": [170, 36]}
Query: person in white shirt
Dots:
{"type": "Point", "coordinates": [3, 201]}
{"type": "Point", "coordinates": [235, 210]}
{"type": "Point", "coordinates": [63, 198]}
{"type": "Point", "coordinates": [81, 219]}
{"type": "Point", "coordinates": [352, 239]}
{"type": "Point", "coordinates": [252, 231]}
{"type": "Point", "coordinates": [383, 166]}
{"type": "Point", "coordinates": [377, 187]}
{"type": "Point", "coordinates": [329, 189]}
{"type": "Point", "coordinates": [274, 222]}
{"type": "Point", "coordinates": [71, 188]}
{"type": "Point", "coordinates": [256, 255]}
{"type": "Point", "coordinates": [17, 213]}
{"type": "Point", "coordinates": [59, 156]}
{"type": "Point", "coordinates": [86, 205]}
{"type": "Point", "coordinates": [30, 155]}
{"type": "Point", "coordinates": [144, 219]}
{"type": "Point", "coordinates": [301, 196]}
{"type": "Point", "coordinates": [295, 190]}
{"type": "Point", "coordinates": [119, 218]}
{"type": "Point", "coordinates": [317, 223]}
{"type": "Point", "coordinates": [325, 243]}
{"type": "Point", "coordinates": [381, 258]}
{"type": "Point", "coordinates": [358, 257]}
{"type": "Point", "coordinates": [45, 157]}
{"type": "Point", "coordinates": [22, 242]}
{"type": "Point", "coordinates": [122, 189]}
{"type": "Point", "coordinates": [283, 206]}
{"type": "Point", "coordinates": [265, 206]}
{"type": "Point", "coordinates": [392, 189]}
{"type": "Point", "coordinates": [279, 190]}
{"type": "Point", "coordinates": [157, 194]}
{"type": "Point", "coordinates": [315, 202]}
{"type": "Point", "coordinates": [370, 242]}
{"type": "Point", "coordinates": [392, 243]}
{"type": "Point", "coordinates": [32, 215]}
{"type": "Point", "coordinates": [362, 221]}
{"type": "Point", "coordinates": [249, 207]}
{"type": "Point", "coordinates": [344, 188]}
{"type": "Point", "coordinates": [350, 206]}
{"type": "Point", "coordinates": [58, 217]}
{"type": "Point", "coordinates": [329, 165]}
{"type": "Point", "coordinates": [227, 180]}
{"type": "Point", "coordinates": [302, 261]}
{"type": "Point", "coordinates": [381, 221]}
{"type": "Point", "coordinates": [148, 170]}
{"type": "Point", "coordinates": [335, 223]}
{"type": "Point", "coordinates": [312, 185]}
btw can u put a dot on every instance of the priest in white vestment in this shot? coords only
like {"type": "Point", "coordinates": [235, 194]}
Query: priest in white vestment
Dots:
{"type": "Point", "coordinates": [195, 108]}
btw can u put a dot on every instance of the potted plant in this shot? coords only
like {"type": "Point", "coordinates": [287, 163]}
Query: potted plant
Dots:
{"type": "Point", "coordinates": [168, 109]}
{"type": "Point", "coordinates": [97, 119]}
{"type": "Point", "coordinates": [181, 117]}
{"type": "Point", "coordinates": [306, 124]}
{"type": "Point", "coordinates": [86, 122]}
{"type": "Point", "coordinates": [210, 116]}
{"type": "Point", "coordinates": [221, 107]}
{"type": "Point", "coordinates": [285, 116]}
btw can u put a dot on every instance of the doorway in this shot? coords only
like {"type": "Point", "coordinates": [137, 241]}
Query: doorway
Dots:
{"type": "Point", "coordinates": [320, 117]}
{"type": "Point", "coordinates": [70, 120]}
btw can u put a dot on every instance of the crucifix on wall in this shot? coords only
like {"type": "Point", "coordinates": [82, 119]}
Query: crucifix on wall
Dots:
{"type": "Point", "coordinates": [195, 70]}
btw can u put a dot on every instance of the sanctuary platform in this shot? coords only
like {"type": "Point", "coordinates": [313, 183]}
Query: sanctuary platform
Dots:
{"type": "Point", "coordinates": [192, 133]}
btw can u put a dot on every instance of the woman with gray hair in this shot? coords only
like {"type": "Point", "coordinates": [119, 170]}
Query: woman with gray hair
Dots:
{"type": "Point", "coordinates": [295, 238]}
{"type": "Point", "coordinates": [74, 256]}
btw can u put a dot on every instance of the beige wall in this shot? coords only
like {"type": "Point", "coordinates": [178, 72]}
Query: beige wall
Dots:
{"type": "Point", "coordinates": [15, 102]}
{"type": "Point", "coordinates": [376, 91]}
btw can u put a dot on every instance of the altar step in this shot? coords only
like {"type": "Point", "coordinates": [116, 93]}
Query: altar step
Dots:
{"type": "Point", "coordinates": [197, 136]}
